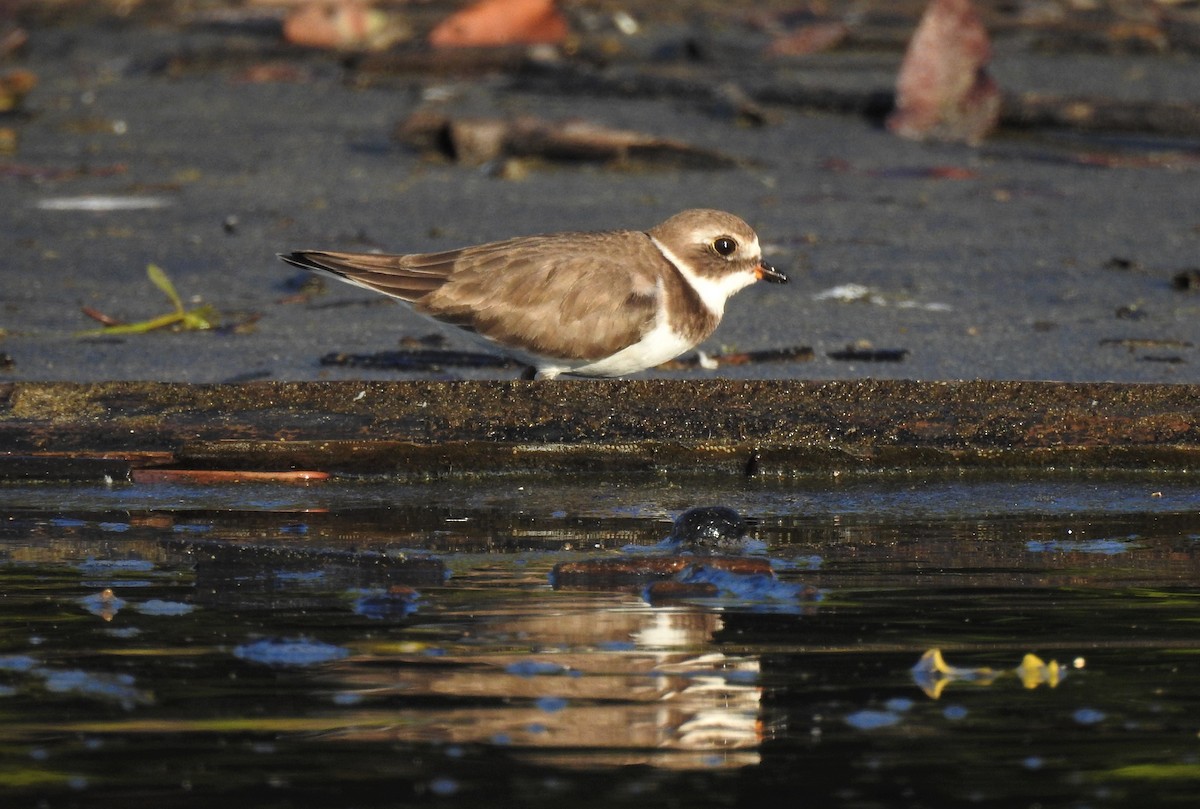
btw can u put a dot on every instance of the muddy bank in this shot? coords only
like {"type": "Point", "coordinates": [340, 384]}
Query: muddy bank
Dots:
{"type": "Point", "coordinates": [731, 428]}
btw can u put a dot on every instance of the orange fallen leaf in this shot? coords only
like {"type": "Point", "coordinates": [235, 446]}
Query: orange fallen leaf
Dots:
{"type": "Point", "coordinates": [501, 22]}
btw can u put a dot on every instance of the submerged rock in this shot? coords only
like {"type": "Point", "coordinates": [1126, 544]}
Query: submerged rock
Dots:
{"type": "Point", "coordinates": [709, 529]}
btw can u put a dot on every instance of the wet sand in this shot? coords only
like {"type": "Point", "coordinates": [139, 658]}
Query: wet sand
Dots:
{"type": "Point", "coordinates": [1020, 259]}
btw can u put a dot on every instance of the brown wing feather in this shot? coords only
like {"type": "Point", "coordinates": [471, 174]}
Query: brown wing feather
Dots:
{"type": "Point", "coordinates": [567, 296]}
{"type": "Point", "coordinates": [398, 276]}
{"type": "Point", "coordinates": [570, 296]}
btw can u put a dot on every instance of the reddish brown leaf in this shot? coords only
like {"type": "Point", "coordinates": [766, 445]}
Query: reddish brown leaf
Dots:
{"type": "Point", "coordinates": [501, 22]}
{"type": "Point", "coordinates": [943, 91]}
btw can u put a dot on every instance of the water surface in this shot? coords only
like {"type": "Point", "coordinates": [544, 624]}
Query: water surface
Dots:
{"type": "Point", "coordinates": [377, 644]}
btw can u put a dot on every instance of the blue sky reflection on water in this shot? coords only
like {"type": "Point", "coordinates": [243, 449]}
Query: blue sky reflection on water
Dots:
{"type": "Point", "coordinates": [407, 646]}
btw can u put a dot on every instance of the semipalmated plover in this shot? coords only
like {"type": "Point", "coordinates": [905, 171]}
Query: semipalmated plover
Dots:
{"type": "Point", "coordinates": [593, 304]}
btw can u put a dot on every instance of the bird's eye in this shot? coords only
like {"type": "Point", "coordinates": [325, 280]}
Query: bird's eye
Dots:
{"type": "Point", "coordinates": [724, 246]}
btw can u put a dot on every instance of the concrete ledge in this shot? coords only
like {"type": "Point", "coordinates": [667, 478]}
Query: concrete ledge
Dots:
{"type": "Point", "coordinates": [727, 427]}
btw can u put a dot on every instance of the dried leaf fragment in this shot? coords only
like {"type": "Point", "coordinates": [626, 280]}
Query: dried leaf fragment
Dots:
{"type": "Point", "coordinates": [944, 91]}
{"type": "Point", "coordinates": [475, 141]}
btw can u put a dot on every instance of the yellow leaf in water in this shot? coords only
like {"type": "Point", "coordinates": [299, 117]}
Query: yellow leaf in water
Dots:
{"type": "Point", "coordinates": [932, 674]}
{"type": "Point", "coordinates": [1034, 671]}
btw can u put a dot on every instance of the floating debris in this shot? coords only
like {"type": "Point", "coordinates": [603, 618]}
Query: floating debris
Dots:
{"type": "Point", "coordinates": [933, 674]}
{"type": "Point", "coordinates": [1034, 671]}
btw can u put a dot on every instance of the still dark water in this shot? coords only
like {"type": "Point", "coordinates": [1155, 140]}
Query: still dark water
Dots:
{"type": "Point", "coordinates": [368, 644]}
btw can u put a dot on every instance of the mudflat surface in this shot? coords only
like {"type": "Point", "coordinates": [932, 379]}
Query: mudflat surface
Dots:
{"type": "Point", "coordinates": [994, 262]}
